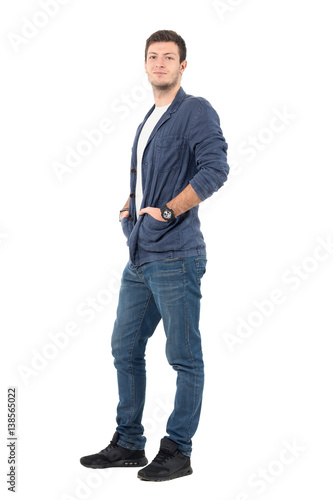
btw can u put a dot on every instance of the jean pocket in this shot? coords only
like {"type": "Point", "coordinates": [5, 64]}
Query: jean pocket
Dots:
{"type": "Point", "coordinates": [200, 264]}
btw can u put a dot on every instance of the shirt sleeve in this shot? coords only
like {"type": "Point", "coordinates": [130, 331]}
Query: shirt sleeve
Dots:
{"type": "Point", "coordinates": [210, 151]}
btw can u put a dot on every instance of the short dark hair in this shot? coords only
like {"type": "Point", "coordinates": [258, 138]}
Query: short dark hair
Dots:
{"type": "Point", "coordinates": [167, 36]}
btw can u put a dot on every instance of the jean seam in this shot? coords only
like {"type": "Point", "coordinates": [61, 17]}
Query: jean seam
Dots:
{"type": "Point", "coordinates": [191, 358]}
{"type": "Point", "coordinates": [131, 360]}
{"type": "Point", "coordinates": [195, 383]}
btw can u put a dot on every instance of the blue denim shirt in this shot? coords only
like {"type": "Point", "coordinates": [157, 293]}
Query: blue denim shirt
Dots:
{"type": "Point", "coordinates": [186, 146]}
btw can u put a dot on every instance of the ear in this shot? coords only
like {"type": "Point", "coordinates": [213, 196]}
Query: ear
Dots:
{"type": "Point", "coordinates": [183, 66]}
{"type": "Point", "coordinates": [145, 66]}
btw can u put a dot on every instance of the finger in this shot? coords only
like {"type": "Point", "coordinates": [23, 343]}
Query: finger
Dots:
{"type": "Point", "coordinates": [124, 214]}
{"type": "Point", "coordinates": [143, 211]}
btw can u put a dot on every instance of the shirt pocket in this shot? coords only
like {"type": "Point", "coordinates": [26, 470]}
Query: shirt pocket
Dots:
{"type": "Point", "coordinates": [159, 236]}
{"type": "Point", "coordinates": [169, 153]}
{"type": "Point", "coordinates": [127, 227]}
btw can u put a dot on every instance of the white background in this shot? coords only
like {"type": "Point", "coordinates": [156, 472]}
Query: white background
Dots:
{"type": "Point", "coordinates": [61, 245]}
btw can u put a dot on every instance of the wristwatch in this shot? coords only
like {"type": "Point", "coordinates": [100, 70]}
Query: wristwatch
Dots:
{"type": "Point", "coordinates": [167, 214]}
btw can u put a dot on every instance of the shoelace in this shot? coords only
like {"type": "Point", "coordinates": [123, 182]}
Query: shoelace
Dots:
{"type": "Point", "coordinates": [162, 457]}
{"type": "Point", "coordinates": [109, 446]}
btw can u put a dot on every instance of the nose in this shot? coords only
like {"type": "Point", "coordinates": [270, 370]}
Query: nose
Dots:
{"type": "Point", "coordinates": [159, 62]}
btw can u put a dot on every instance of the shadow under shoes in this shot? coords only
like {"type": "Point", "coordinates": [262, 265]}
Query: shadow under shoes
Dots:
{"type": "Point", "coordinates": [115, 456]}
{"type": "Point", "coordinates": [169, 463]}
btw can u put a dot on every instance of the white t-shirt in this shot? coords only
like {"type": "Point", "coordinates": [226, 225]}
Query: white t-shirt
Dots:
{"type": "Point", "coordinates": [143, 139]}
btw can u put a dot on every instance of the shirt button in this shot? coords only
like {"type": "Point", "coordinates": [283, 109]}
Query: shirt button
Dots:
{"type": "Point", "coordinates": [133, 170]}
{"type": "Point", "coordinates": [132, 195]}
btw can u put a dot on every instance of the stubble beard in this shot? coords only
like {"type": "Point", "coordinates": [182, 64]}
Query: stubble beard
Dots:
{"type": "Point", "coordinates": [166, 87]}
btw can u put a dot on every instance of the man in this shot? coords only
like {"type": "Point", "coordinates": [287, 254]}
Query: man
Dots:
{"type": "Point", "coordinates": [178, 160]}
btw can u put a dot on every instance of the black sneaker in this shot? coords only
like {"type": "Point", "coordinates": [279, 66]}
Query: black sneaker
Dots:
{"type": "Point", "coordinates": [169, 463]}
{"type": "Point", "coordinates": [115, 456]}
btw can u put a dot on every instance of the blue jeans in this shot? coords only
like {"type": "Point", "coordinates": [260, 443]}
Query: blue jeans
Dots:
{"type": "Point", "coordinates": [167, 290]}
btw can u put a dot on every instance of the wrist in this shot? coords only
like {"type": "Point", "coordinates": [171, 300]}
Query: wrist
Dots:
{"type": "Point", "coordinates": [173, 205]}
{"type": "Point", "coordinates": [167, 213]}
{"type": "Point", "coordinates": [122, 215]}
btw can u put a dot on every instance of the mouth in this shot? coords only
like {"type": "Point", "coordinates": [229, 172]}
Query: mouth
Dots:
{"type": "Point", "coordinates": [159, 73]}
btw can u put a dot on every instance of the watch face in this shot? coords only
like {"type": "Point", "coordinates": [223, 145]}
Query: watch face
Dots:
{"type": "Point", "coordinates": [166, 214]}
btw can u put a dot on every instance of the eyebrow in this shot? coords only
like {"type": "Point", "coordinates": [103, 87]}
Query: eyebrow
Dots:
{"type": "Point", "coordinates": [165, 54]}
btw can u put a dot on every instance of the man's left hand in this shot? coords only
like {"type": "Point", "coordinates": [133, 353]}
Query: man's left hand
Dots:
{"type": "Point", "coordinates": [154, 212]}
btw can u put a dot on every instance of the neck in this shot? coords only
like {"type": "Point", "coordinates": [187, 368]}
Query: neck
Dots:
{"type": "Point", "coordinates": [163, 97]}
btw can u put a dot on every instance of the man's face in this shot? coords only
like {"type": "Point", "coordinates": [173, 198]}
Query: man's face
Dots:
{"type": "Point", "coordinates": [163, 65]}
